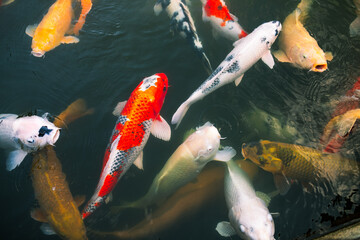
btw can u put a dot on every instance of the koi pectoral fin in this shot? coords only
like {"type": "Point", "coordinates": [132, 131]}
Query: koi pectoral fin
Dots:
{"type": "Point", "coordinates": [281, 56]}
{"type": "Point", "coordinates": [70, 39]}
{"type": "Point", "coordinates": [38, 215]}
{"type": "Point", "coordinates": [30, 30]}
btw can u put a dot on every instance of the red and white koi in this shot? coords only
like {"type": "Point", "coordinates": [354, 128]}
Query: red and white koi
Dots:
{"type": "Point", "coordinates": [216, 12]}
{"type": "Point", "coordinates": [138, 117]}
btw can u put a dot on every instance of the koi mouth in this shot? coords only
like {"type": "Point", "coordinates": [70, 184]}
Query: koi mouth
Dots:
{"type": "Point", "coordinates": [319, 67]}
{"type": "Point", "coordinates": [56, 136]}
{"type": "Point", "coordinates": [37, 54]}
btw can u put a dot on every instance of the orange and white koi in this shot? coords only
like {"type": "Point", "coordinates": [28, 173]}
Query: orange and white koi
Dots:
{"type": "Point", "coordinates": [51, 31]}
{"type": "Point", "coordinates": [138, 117]}
{"type": "Point", "coordinates": [216, 12]}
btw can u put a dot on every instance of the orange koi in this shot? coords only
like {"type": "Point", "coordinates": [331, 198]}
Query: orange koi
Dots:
{"type": "Point", "coordinates": [51, 31]}
{"type": "Point", "coordinates": [138, 117]}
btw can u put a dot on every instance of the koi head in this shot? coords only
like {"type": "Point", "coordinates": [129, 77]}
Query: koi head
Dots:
{"type": "Point", "coordinates": [34, 132]}
{"type": "Point", "coordinates": [309, 56]}
{"type": "Point", "coordinates": [263, 154]}
{"type": "Point", "coordinates": [155, 87]}
{"type": "Point", "coordinates": [268, 32]}
{"type": "Point", "coordinates": [204, 142]}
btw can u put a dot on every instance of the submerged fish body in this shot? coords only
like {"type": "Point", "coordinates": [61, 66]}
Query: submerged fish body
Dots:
{"type": "Point", "coordinates": [5, 2]}
{"type": "Point", "coordinates": [338, 129]}
{"type": "Point", "coordinates": [249, 217]}
{"type": "Point", "coordinates": [307, 165]}
{"type": "Point", "coordinates": [247, 51]}
{"type": "Point", "coordinates": [297, 46]}
{"type": "Point", "coordinates": [185, 164]}
{"type": "Point", "coordinates": [216, 12]}
{"type": "Point", "coordinates": [57, 206]}
{"type": "Point", "coordinates": [22, 135]}
{"type": "Point", "coordinates": [186, 202]}
{"type": "Point", "coordinates": [182, 22]}
{"type": "Point", "coordinates": [137, 118]}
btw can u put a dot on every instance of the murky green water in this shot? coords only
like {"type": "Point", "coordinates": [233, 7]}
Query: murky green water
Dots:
{"type": "Point", "coordinates": [121, 43]}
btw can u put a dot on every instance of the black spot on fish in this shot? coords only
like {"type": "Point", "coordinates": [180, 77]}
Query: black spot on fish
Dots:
{"type": "Point", "coordinates": [229, 58]}
{"type": "Point", "coordinates": [276, 32]}
{"type": "Point", "coordinates": [44, 130]}
{"type": "Point", "coordinates": [263, 39]}
{"type": "Point", "coordinates": [234, 67]}
{"type": "Point", "coordinates": [214, 84]}
{"type": "Point", "coordinates": [1, 121]}
{"type": "Point", "coordinates": [274, 21]}
{"type": "Point", "coordinates": [164, 3]}
{"type": "Point", "coordinates": [262, 161]}
{"type": "Point", "coordinates": [217, 70]}
{"type": "Point", "coordinates": [219, 7]}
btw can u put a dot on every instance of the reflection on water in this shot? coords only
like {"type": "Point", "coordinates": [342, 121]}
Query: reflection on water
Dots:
{"type": "Point", "coordinates": [121, 43]}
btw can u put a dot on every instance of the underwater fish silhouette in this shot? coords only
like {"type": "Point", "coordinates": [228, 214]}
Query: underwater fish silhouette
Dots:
{"type": "Point", "coordinates": [58, 210]}
{"type": "Point", "coordinates": [247, 51]}
{"type": "Point", "coordinates": [138, 117]}
{"type": "Point", "coordinates": [183, 23]}
{"type": "Point", "coordinates": [294, 162]}
{"type": "Point", "coordinates": [297, 46]}
{"type": "Point", "coordinates": [51, 31]}
{"type": "Point", "coordinates": [200, 195]}
{"type": "Point", "coordinates": [20, 135]}
{"type": "Point", "coordinates": [225, 23]}
{"type": "Point", "coordinates": [184, 165]}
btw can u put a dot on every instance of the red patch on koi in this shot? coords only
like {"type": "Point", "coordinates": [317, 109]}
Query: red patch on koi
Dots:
{"type": "Point", "coordinates": [216, 9]}
{"type": "Point", "coordinates": [109, 183]}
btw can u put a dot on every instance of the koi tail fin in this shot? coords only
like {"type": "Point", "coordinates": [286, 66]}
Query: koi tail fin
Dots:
{"type": "Point", "coordinates": [304, 7]}
{"type": "Point", "coordinates": [354, 28]}
{"type": "Point", "coordinates": [74, 111]}
{"type": "Point", "coordinates": [180, 113]}
{"type": "Point", "coordinates": [85, 9]}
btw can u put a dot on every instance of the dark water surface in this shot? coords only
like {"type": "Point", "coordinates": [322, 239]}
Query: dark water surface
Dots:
{"type": "Point", "coordinates": [121, 43]}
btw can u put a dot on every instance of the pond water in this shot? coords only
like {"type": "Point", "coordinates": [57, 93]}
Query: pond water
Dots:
{"type": "Point", "coordinates": [123, 42]}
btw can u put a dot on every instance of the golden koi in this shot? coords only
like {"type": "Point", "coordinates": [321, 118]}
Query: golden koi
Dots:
{"type": "Point", "coordinates": [57, 206]}
{"type": "Point", "coordinates": [297, 46]}
{"type": "Point", "coordinates": [51, 31]}
{"type": "Point", "coordinates": [289, 161]}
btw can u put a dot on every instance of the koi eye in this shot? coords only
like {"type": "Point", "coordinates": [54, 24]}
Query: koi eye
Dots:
{"type": "Point", "coordinates": [304, 56]}
{"type": "Point", "coordinates": [209, 149]}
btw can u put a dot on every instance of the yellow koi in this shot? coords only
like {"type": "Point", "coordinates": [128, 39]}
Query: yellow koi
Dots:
{"type": "Point", "coordinates": [297, 46]}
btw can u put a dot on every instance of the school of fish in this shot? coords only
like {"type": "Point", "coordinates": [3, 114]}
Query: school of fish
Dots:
{"type": "Point", "coordinates": [186, 183]}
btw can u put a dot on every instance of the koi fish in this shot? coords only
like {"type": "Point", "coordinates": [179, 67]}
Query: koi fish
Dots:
{"type": "Point", "coordinates": [183, 23]}
{"type": "Point", "coordinates": [354, 28]}
{"type": "Point", "coordinates": [297, 46]}
{"type": "Point", "coordinates": [243, 204]}
{"type": "Point", "coordinates": [338, 129]}
{"type": "Point", "coordinates": [58, 209]}
{"type": "Point", "coordinates": [335, 132]}
{"type": "Point", "coordinates": [196, 196]}
{"type": "Point", "coordinates": [216, 12]}
{"type": "Point", "coordinates": [5, 2]}
{"type": "Point", "coordinates": [247, 51]}
{"type": "Point", "coordinates": [51, 31]}
{"type": "Point", "coordinates": [138, 117]}
{"type": "Point", "coordinates": [293, 162]}
{"type": "Point", "coordinates": [20, 135]}
{"type": "Point", "coordinates": [184, 165]}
